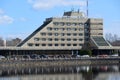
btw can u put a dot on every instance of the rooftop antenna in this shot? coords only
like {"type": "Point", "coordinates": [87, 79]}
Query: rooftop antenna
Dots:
{"type": "Point", "coordinates": [78, 10]}
{"type": "Point", "coordinates": [72, 9]}
{"type": "Point", "coordinates": [87, 8]}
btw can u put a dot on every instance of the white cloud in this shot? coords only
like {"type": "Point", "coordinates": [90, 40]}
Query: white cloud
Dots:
{"type": "Point", "coordinates": [5, 19]}
{"type": "Point", "coordinates": [1, 11]}
{"type": "Point", "coordinates": [46, 4]}
{"type": "Point", "coordinates": [23, 19]}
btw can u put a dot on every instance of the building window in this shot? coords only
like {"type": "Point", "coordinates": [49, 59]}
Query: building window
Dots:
{"type": "Point", "coordinates": [43, 39]}
{"type": "Point", "coordinates": [56, 44]}
{"type": "Point", "coordinates": [74, 44]}
{"type": "Point", "coordinates": [100, 29]}
{"type": "Point", "coordinates": [56, 23]}
{"type": "Point", "coordinates": [49, 28]}
{"type": "Point", "coordinates": [80, 39]}
{"type": "Point", "coordinates": [68, 29]}
{"type": "Point", "coordinates": [30, 44]}
{"type": "Point", "coordinates": [62, 29]}
{"type": "Point", "coordinates": [100, 34]}
{"type": "Point", "coordinates": [56, 39]}
{"type": "Point", "coordinates": [62, 44]}
{"type": "Point", "coordinates": [56, 29]}
{"type": "Point", "coordinates": [49, 34]}
{"type": "Point", "coordinates": [74, 29]}
{"type": "Point", "coordinates": [49, 44]}
{"type": "Point", "coordinates": [49, 39]}
{"type": "Point", "coordinates": [37, 44]}
{"type": "Point", "coordinates": [62, 34]}
{"type": "Point", "coordinates": [68, 39]}
{"type": "Point", "coordinates": [86, 24]}
{"type": "Point", "coordinates": [36, 39]}
{"type": "Point", "coordinates": [68, 44]}
{"type": "Point", "coordinates": [74, 39]}
{"type": "Point", "coordinates": [80, 29]}
{"type": "Point", "coordinates": [56, 34]}
{"type": "Point", "coordinates": [62, 23]}
{"type": "Point", "coordinates": [80, 24]}
{"type": "Point", "coordinates": [43, 44]}
{"type": "Point", "coordinates": [68, 24]}
{"type": "Point", "coordinates": [86, 34]}
{"type": "Point", "coordinates": [80, 44]}
{"type": "Point", "coordinates": [86, 39]}
{"type": "Point", "coordinates": [74, 24]}
{"type": "Point", "coordinates": [74, 34]}
{"type": "Point", "coordinates": [62, 39]}
{"type": "Point", "coordinates": [80, 34]}
{"type": "Point", "coordinates": [68, 34]}
{"type": "Point", "coordinates": [86, 30]}
{"type": "Point", "coordinates": [100, 23]}
{"type": "Point", "coordinates": [43, 34]}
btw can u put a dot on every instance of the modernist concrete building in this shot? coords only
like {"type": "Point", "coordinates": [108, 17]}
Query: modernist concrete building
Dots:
{"type": "Point", "coordinates": [72, 31]}
{"type": "Point", "coordinates": [67, 34]}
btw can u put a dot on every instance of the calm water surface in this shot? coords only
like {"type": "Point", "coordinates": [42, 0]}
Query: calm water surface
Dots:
{"type": "Point", "coordinates": [96, 72]}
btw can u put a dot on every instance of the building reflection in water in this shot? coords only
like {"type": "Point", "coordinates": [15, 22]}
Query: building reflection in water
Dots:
{"type": "Point", "coordinates": [99, 72]}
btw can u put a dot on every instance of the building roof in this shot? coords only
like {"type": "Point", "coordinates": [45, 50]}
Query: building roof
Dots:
{"type": "Point", "coordinates": [31, 35]}
{"type": "Point", "coordinates": [74, 14]}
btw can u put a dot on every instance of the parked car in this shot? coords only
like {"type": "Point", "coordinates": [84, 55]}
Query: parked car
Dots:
{"type": "Point", "coordinates": [74, 56]}
{"type": "Point", "coordinates": [34, 56]}
{"type": "Point", "coordinates": [103, 56]}
{"type": "Point", "coordinates": [43, 56]}
{"type": "Point", "coordinates": [2, 57]}
{"type": "Point", "coordinates": [85, 56]}
{"type": "Point", "coordinates": [26, 57]}
{"type": "Point", "coordinates": [114, 55]}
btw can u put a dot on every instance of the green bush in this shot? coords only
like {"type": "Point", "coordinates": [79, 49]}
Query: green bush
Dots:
{"type": "Point", "coordinates": [85, 52]}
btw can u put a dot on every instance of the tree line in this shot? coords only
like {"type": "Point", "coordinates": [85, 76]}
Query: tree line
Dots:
{"type": "Point", "coordinates": [113, 39]}
{"type": "Point", "coordinates": [9, 42]}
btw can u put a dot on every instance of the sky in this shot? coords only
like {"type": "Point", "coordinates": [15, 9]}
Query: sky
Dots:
{"type": "Point", "coordinates": [19, 18]}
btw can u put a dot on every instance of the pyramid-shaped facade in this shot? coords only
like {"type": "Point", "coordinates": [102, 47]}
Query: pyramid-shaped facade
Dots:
{"type": "Point", "coordinates": [72, 31]}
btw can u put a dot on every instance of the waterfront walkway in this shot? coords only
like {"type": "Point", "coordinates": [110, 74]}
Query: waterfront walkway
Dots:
{"type": "Point", "coordinates": [58, 62]}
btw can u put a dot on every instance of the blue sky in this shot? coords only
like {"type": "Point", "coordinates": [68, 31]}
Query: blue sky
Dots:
{"type": "Point", "coordinates": [19, 18]}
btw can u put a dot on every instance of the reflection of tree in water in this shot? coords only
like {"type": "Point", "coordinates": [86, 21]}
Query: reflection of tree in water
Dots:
{"type": "Point", "coordinates": [88, 75]}
{"type": "Point", "coordinates": [91, 74]}
{"type": "Point", "coordinates": [95, 70]}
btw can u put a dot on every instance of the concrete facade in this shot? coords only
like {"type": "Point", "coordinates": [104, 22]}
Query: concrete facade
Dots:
{"type": "Point", "coordinates": [72, 31]}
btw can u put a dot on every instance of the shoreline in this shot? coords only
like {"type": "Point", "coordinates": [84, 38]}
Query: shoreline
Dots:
{"type": "Point", "coordinates": [57, 62]}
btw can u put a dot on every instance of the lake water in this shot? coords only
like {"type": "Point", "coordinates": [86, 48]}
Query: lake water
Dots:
{"type": "Point", "coordinates": [95, 72]}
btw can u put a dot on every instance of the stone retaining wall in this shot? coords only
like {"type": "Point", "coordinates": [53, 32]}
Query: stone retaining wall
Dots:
{"type": "Point", "coordinates": [63, 62]}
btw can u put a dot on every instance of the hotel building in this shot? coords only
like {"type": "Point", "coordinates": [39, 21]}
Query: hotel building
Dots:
{"type": "Point", "coordinates": [67, 34]}
{"type": "Point", "coordinates": [72, 31]}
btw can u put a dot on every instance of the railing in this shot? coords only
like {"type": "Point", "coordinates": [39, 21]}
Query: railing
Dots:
{"type": "Point", "coordinates": [58, 59]}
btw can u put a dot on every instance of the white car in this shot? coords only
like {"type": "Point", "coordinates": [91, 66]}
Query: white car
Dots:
{"type": "Point", "coordinates": [85, 56]}
{"type": "Point", "coordinates": [114, 55]}
{"type": "Point", "coordinates": [2, 57]}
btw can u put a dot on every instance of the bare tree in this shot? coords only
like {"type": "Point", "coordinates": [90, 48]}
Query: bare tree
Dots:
{"type": "Point", "coordinates": [111, 38]}
{"type": "Point", "coordinates": [1, 42]}
{"type": "Point", "coordinates": [115, 37]}
{"type": "Point", "coordinates": [13, 42]}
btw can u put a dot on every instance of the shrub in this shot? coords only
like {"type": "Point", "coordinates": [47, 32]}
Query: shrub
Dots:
{"type": "Point", "coordinates": [85, 52]}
